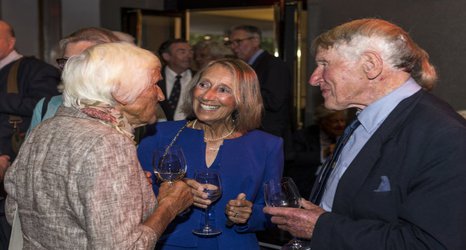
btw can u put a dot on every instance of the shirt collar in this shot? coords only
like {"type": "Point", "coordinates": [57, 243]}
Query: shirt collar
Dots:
{"type": "Point", "coordinates": [373, 115]}
{"type": "Point", "coordinates": [254, 57]}
{"type": "Point", "coordinates": [13, 56]}
{"type": "Point", "coordinates": [172, 74]}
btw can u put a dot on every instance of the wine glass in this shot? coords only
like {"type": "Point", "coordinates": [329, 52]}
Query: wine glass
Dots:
{"type": "Point", "coordinates": [284, 193]}
{"type": "Point", "coordinates": [213, 187]}
{"type": "Point", "coordinates": [169, 163]}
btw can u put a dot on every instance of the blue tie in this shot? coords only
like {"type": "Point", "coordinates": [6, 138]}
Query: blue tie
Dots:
{"type": "Point", "coordinates": [329, 165]}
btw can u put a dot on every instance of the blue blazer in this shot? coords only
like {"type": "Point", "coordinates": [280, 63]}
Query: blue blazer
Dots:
{"type": "Point", "coordinates": [406, 189]}
{"type": "Point", "coordinates": [244, 164]}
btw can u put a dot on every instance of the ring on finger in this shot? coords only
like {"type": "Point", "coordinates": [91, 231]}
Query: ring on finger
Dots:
{"type": "Point", "coordinates": [236, 214]}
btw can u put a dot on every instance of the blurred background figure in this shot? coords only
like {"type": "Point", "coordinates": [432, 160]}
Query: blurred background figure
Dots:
{"type": "Point", "coordinates": [177, 56]}
{"type": "Point", "coordinates": [313, 144]}
{"type": "Point", "coordinates": [274, 78]}
{"type": "Point", "coordinates": [23, 82]}
{"type": "Point", "coordinates": [89, 188]}
{"type": "Point", "coordinates": [208, 50]}
{"type": "Point", "coordinates": [72, 45]}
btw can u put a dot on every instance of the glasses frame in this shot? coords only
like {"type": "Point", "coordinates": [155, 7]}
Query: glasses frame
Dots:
{"type": "Point", "coordinates": [61, 62]}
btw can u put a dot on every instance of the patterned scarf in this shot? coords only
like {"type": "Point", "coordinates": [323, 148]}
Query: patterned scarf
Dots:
{"type": "Point", "coordinates": [108, 115]}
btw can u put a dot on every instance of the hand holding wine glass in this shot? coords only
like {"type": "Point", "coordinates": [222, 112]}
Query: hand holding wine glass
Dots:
{"type": "Point", "coordinates": [211, 184]}
{"type": "Point", "coordinates": [284, 193]}
{"type": "Point", "coordinates": [169, 163]}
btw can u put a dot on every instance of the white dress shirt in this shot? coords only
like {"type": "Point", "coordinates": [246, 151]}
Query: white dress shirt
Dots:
{"type": "Point", "coordinates": [170, 77]}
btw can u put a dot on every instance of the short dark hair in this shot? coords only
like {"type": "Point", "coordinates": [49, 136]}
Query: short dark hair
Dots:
{"type": "Point", "coordinates": [165, 46]}
{"type": "Point", "coordinates": [248, 28]}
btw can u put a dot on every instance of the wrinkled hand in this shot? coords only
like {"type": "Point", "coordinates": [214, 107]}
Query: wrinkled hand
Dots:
{"type": "Point", "coordinates": [4, 165]}
{"type": "Point", "coordinates": [197, 189]}
{"type": "Point", "coordinates": [297, 221]}
{"type": "Point", "coordinates": [177, 195]}
{"type": "Point", "coordinates": [239, 210]}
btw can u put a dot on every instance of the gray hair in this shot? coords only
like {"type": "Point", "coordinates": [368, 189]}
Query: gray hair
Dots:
{"type": "Point", "coordinates": [94, 35]}
{"type": "Point", "coordinates": [393, 43]}
{"type": "Point", "coordinates": [106, 71]}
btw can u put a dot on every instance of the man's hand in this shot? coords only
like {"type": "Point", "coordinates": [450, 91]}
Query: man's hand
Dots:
{"type": "Point", "coordinates": [4, 165]}
{"type": "Point", "coordinates": [297, 221]}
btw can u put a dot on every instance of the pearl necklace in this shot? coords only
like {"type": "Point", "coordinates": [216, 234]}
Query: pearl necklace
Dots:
{"type": "Point", "coordinates": [216, 139]}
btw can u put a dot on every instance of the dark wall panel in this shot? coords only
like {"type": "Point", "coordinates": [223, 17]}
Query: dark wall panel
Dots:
{"type": "Point", "coordinates": [438, 26]}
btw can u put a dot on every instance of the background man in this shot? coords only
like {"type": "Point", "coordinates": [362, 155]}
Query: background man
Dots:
{"type": "Point", "coordinates": [177, 55]}
{"type": "Point", "coordinates": [34, 80]}
{"type": "Point", "coordinates": [274, 78]}
{"type": "Point", "coordinates": [398, 182]}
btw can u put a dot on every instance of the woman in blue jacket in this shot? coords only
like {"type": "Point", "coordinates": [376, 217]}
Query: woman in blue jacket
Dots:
{"type": "Point", "coordinates": [225, 108]}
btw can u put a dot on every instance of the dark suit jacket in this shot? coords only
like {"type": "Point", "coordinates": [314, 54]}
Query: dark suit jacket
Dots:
{"type": "Point", "coordinates": [306, 158]}
{"type": "Point", "coordinates": [169, 112]}
{"type": "Point", "coordinates": [421, 150]}
{"type": "Point", "coordinates": [276, 86]}
{"type": "Point", "coordinates": [36, 79]}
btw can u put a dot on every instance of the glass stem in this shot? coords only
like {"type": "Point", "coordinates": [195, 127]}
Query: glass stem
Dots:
{"type": "Point", "coordinates": [207, 218]}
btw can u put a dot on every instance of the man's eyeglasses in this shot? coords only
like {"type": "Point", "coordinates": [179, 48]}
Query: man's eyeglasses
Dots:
{"type": "Point", "coordinates": [61, 62]}
{"type": "Point", "coordinates": [237, 42]}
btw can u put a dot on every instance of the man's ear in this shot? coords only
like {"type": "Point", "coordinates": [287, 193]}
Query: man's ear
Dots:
{"type": "Point", "coordinates": [372, 64]}
{"type": "Point", "coordinates": [11, 43]}
{"type": "Point", "coordinates": [166, 56]}
{"type": "Point", "coordinates": [256, 41]}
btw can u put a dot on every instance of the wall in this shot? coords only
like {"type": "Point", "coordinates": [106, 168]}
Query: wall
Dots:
{"type": "Point", "coordinates": [24, 17]}
{"type": "Point", "coordinates": [79, 14]}
{"type": "Point", "coordinates": [110, 10]}
{"type": "Point", "coordinates": [438, 26]}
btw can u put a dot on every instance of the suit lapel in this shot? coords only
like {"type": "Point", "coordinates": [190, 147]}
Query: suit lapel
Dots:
{"type": "Point", "coordinates": [362, 165]}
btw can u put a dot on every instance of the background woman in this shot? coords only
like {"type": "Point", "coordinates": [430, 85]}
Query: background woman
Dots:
{"type": "Point", "coordinates": [226, 106]}
{"type": "Point", "coordinates": [77, 182]}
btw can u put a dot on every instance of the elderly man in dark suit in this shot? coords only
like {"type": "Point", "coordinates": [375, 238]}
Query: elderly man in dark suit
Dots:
{"type": "Point", "coordinates": [274, 77]}
{"type": "Point", "coordinates": [398, 182]}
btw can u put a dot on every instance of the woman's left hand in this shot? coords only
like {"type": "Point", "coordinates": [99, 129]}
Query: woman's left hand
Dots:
{"type": "Point", "coordinates": [239, 210]}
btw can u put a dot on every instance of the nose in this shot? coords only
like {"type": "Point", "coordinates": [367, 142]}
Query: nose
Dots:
{"type": "Point", "coordinates": [160, 95]}
{"type": "Point", "coordinates": [209, 94]}
{"type": "Point", "coordinates": [316, 77]}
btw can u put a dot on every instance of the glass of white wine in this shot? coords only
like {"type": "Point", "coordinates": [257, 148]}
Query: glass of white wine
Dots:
{"type": "Point", "coordinates": [284, 193]}
{"type": "Point", "coordinates": [213, 187]}
{"type": "Point", "coordinates": [169, 163]}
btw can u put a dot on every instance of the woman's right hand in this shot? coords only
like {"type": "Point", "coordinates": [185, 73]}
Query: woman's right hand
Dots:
{"type": "Point", "coordinates": [178, 195]}
{"type": "Point", "coordinates": [199, 196]}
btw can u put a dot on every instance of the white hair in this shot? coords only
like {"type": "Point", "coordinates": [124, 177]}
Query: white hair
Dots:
{"type": "Point", "coordinates": [108, 71]}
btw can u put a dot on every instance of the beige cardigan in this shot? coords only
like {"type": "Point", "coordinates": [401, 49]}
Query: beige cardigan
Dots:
{"type": "Point", "coordinates": [79, 185]}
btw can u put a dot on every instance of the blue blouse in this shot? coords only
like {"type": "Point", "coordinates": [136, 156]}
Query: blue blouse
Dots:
{"type": "Point", "coordinates": [244, 164]}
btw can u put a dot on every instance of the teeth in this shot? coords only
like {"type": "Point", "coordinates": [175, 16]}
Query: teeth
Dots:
{"type": "Point", "coordinates": [209, 107]}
